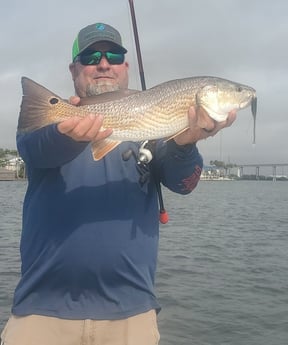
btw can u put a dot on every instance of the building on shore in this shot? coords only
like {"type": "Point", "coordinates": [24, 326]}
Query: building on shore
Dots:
{"type": "Point", "coordinates": [11, 169]}
{"type": "Point", "coordinates": [213, 173]}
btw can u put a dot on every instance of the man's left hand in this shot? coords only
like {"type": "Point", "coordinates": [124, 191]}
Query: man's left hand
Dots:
{"type": "Point", "coordinates": [202, 126]}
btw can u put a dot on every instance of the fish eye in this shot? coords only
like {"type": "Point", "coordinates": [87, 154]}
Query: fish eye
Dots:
{"type": "Point", "coordinates": [239, 89]}
{"type": "Point", "coordinates": [53, 100]}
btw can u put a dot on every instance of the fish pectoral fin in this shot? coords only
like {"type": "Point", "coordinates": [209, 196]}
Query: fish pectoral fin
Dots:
{"type": "Point", "coordinates": [102, 147]}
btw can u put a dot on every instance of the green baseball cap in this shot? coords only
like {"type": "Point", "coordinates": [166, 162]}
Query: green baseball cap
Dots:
{"type": "Point", "coordinates": [96, 33]}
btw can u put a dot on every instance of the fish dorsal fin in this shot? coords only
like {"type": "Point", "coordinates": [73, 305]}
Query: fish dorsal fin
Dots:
{"type": "Point", "coordinates": [107, 96]}
{"type": "Point", "coordinates": [102, 147]}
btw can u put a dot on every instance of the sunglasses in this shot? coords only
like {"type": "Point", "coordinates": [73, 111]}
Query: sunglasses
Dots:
{"type": "Point", "coordinates": [95, 57]}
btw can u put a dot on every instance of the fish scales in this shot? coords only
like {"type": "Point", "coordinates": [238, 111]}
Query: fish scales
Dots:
{"type": "Point", "coordinates": [139, 116]}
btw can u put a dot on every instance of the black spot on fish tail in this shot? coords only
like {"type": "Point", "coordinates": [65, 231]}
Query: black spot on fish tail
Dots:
{"type": "Point", "coordinates": [53, 100]}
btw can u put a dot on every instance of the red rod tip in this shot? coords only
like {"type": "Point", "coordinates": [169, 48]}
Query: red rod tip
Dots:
{"type": "Point", "coordinates": [163, 217]}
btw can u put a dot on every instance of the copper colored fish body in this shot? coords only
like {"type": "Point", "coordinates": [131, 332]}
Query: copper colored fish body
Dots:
{"type": "Point", "coordinates": [160, 112]}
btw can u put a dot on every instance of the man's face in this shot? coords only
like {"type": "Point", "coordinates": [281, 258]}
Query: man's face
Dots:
{"type": "Point", "coordinates": [95, 79]}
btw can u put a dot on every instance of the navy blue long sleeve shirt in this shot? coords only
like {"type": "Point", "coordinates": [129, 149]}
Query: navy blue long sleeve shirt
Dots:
{"type": "Point", "coordinates": [90, 230]}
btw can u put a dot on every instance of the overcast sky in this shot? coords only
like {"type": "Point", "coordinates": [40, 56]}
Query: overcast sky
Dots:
{"type": "Point", "coordinates": [241, 40]}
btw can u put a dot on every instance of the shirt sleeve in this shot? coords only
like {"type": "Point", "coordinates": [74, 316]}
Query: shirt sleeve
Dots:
{"type": "Point", "coordinates": [178, 167]}
{"type": "Point", "coordinates": [47, 147]}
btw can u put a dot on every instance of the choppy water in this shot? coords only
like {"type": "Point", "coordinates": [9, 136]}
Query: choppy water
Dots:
{"type": "Point", "coordinates": [222, 274]}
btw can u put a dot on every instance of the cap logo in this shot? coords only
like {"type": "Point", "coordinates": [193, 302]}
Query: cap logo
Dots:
{"type": "Point", "coordinates": [100, 26]}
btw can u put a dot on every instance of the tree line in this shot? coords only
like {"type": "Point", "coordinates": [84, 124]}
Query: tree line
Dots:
{"type": "Point", "coordinates": [223, 165]}
{"type": "Point", "coordinates": [6, 152]}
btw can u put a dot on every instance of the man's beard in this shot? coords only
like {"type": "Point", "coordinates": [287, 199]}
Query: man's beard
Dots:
{"type": "Point", "coordinates": [101, 87]}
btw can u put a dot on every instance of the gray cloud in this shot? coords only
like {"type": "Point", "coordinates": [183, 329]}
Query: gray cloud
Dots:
{"type": "Point", "coordinates": [241, 40]}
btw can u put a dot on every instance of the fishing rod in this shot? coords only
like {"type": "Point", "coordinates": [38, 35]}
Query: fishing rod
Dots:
{"type": "Point", "coordinates": [137, 44]}
{"type": "Point", "coordinates": [163, 216]}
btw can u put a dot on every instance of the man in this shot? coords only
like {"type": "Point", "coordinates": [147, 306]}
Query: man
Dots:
{"type": "Point", "coordinates": [90, 228]}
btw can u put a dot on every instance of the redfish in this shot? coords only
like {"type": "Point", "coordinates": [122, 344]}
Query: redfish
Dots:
{"type": "Point", "coordinates": [156, 113]}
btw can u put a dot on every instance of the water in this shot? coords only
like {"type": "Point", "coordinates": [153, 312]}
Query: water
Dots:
{"type": "Point", "coordinates": [222, 273]}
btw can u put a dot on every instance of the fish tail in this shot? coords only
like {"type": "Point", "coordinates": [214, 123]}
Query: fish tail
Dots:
{"type": "Point", "coordinates": [36, 109]}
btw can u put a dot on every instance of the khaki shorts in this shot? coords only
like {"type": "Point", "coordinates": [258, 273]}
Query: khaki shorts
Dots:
{"type": "Point", "coordinates": [42, 330]}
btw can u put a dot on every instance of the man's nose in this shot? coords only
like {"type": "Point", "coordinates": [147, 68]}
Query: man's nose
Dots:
{"type": "Point", "coordinates": [103, 64]}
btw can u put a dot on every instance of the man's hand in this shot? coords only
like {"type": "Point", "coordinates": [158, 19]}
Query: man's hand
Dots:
{"type": "Point", "coordinates": [84, 129]}
{"type": "Point", "coordinates": [202, 126]}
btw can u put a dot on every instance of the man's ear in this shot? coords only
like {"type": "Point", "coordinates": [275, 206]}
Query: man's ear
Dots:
{"type": "Point", "coordinates": [72, 70]}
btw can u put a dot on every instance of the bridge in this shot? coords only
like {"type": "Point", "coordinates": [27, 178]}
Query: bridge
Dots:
{"type": "Point", "coordinates": [257, 167]}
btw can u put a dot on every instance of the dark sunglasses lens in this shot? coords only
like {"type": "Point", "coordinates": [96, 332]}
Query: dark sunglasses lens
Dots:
{"type": "Point", "coordinates": [95, 58]}
{"type": "Point", "coordinates": [115, 58]}
{"type": "Point", "coordinates": [91, 59]}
